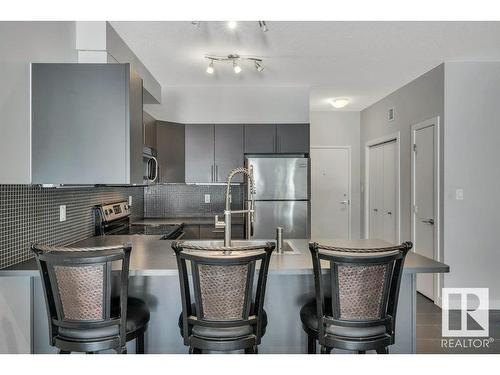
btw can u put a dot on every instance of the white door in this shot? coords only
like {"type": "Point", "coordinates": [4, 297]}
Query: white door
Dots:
{"type": "Point", "coordinates": [330, 192]}
{"type": "Point", "coordinates": [390, 185]}
{"type": "Point", "coordinates": [382, 190]}
{"type": "Point", "coordinates": [376, 186]}
{"type": "Point", "coordinates": [423, 197]}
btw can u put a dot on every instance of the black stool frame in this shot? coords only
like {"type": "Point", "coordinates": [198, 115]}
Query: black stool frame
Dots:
{"type": "Point", "coordinates": [47, 258]}
{"type": "Point", "coordinates": [252, 312]}
{"type": "Point", "coordinates": [392, 257]}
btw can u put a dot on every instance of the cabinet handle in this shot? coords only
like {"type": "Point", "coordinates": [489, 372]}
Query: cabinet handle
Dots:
{"type": "Point", "coordinates": [216, 173]}
{"type": "Point", "coordinates": [211, 173]}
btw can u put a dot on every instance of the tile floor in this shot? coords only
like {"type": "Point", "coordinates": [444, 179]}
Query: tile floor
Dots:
{"type": "Point", "coordinates": [429, 331]}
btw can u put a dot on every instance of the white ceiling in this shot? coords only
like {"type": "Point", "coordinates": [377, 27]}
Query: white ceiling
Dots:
{"type": "Point", "coordinates": [362, 60]}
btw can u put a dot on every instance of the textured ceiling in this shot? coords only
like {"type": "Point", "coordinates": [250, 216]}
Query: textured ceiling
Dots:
{"type": "Point", "coordinates": [362, 60]}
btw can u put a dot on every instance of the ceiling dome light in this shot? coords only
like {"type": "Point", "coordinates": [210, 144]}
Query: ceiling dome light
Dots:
{"type": "Point", "coordinates": [236, 67]}
{"type": "Point", "coordinates": [258, 66]}
{"type": "Point", "coordinates": [340, 102]}
{"type": "Point", "coordinates": [232, 25]}
{"type": "Point", "coordinates": [210, 67]}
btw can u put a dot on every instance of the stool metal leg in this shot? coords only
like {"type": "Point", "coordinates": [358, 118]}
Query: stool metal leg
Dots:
{"type": "Point", "coordinates": [311, 345]}
{"type": "Point", "coordinates": [139, 344]}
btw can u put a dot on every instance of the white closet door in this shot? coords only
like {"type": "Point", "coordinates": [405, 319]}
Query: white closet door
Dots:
{"type": "Point", "coordinates": [376, 190]}
{"type": "Point", "coordinates": [390, 185]}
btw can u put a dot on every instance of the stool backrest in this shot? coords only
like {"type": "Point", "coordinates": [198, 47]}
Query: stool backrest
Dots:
{"type": "Point", "coordinates": [222, 283]}
{"type": "Point", "coordinates": [77, 284]}
{"type": "Point", "coordinates": [364, 284]}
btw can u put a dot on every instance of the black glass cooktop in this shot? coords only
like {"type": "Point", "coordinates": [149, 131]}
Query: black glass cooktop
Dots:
{"type": "Point", "coordinates": [167, 230]}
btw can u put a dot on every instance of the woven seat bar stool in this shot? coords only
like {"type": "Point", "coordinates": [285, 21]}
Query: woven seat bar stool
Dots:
{"type": "Point", "coordinates": [83, 314]}
{"type": "Point", "coordinates": [225, 315]}
{"type": "Point", "coordinates": [364, 286]}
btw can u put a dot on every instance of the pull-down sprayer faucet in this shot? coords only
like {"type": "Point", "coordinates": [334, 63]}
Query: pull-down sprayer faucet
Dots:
{"type": "Point", "coordinates": [226, 224]}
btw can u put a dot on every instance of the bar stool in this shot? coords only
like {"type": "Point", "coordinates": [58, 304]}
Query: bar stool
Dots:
{"type": "Point", "coordinates": [224, 315]}
{"type": "Point", "coordinates": [83, 314]}
{"type": "Point", "coordinates": [364, 286]}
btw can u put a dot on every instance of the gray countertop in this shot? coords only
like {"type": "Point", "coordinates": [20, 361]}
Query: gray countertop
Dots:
{"type": "Point", "coordinates": [154, 257]}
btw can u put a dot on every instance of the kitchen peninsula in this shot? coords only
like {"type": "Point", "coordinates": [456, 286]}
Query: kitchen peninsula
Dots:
{"type": "Point", "coordinates": [154, 278]}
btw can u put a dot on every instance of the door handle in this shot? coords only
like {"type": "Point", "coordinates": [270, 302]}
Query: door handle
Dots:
{"type": "Point", "coordinates": [375, 209]}
{"type": "Point", "coordinates": [389, 213]}
{"type": "Point", "coordinates": [344, 202]}
{"type": "Point", "coordinates": [428, 221]}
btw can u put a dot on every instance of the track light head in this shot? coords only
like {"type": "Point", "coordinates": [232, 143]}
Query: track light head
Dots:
{"type": "Point", "coordinates": [210, 67]}
{"type": "Point", "coordinates": [258, 66]}
{"type": "Point", "coordinates": [232, 25]}
{"type": "Point", "coordinates": [236, 67]}
{"type": "Point", "coordinates": [263, 26]}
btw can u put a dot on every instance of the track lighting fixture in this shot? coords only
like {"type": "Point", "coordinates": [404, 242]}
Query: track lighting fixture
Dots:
{"type": "Point", "coordinates": [235, 60]}
{"type": "Point", "coordinates": [263, 26]}
{"type": "Point", "coordinates": [232, 25]}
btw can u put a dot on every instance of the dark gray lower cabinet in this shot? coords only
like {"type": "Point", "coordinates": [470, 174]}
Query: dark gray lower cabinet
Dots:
{"type": "Point", "coordinates": [209, 232]}
{"type": "Point", "coordinates": [191, 232]}
{"type": "Point", "coordinates": [292, 138]}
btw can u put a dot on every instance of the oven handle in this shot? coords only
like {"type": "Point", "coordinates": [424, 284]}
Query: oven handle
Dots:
{"type": "Point", "coordinates": [156, 169]}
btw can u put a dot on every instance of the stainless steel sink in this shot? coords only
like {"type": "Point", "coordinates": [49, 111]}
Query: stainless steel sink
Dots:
{"type": "Point", "coordinates": [288, 248]}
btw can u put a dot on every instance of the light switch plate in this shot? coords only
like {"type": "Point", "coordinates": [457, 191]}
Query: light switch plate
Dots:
{"type": "Point", "coordinates": [459, 194]}
{"type": "Point", "coordinates": [207, 198]}
{"type": "Point", "coordinates": [62, 212]}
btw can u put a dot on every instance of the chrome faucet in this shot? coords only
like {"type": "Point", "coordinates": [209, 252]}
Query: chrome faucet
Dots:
{"type": "Point", "coordinates": [226, 224]}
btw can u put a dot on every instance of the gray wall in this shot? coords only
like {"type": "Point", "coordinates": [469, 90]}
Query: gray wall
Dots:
{"type": "Point", "coordinates": [417, 101]}
{"type": "Point", "coordinates": [471, 162]}
{"type": "Point", "coordinates": [330, 128]}
{"type": "Point", "coordinates": [31, 213]}
{"type": "Point", "coordinates": [20, 44]}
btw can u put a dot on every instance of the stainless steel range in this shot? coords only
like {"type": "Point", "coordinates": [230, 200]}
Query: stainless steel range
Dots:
{"type": "Point", "coordinates": [114, 219]}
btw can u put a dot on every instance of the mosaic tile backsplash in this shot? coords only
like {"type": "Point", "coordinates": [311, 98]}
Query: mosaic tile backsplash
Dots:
{"type": "Point", "coordinates": [31, 213]}
{"type": "Point", "coordinates": [181, 200]}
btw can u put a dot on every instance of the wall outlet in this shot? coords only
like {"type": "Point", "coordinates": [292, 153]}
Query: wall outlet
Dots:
{"type": "Point", "coordinates": [62, 212]}
{"type": "Point", "coordinates": [207, 198]}
{"type": "Point", "coordinates": [130, 200]}
{"type": "Point", "coordinates": [459, 194]}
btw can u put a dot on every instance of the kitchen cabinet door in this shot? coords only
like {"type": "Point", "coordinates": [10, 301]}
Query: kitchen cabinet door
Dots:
{"type": "Point", "coordinates": [149, 130]}
{"type": "Point", "coordinates": [86, 124]}
{"type": "Point", "coordinates": [228, 151]}
{"type": "Point", "coordinates": [199, 153]}
{"type": "Point", "coordinates": [170, 145]}
{"type": "Point", "coordinates": [260, 138]}
{"type": "Point", "coordinates": [292, 138]}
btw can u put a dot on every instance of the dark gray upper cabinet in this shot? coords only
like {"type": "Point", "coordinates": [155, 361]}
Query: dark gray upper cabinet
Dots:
{"type": "Point", "coordinates": [292, 138]}
{"type": "Point", "coordinates": [86, 124]}
{"type": "Point", "coordinates": [260, 138]}
{"type": "Point", "coordinates": [228, 151]}
{"type": "Point", "coordinates": [170, 146]}
{"type": "Point", "coordinates": [200, 153]}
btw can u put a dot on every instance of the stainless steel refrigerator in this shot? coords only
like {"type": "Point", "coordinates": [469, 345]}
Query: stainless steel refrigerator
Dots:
{"type": "Point", "coordinates": [282, 196]}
